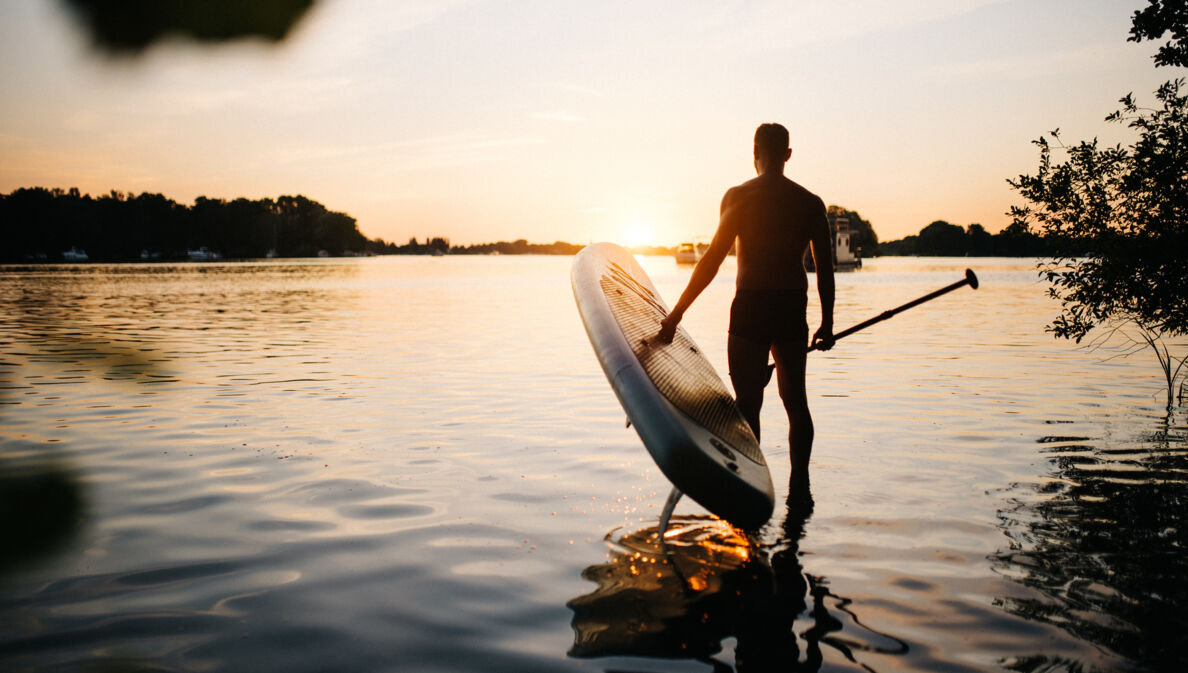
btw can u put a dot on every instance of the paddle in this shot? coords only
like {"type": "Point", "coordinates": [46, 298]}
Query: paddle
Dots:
{"type": "Point", "coordinates": [970, 280]}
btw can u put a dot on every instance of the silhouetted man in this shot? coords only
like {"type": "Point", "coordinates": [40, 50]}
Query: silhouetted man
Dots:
{"type": "Point", "coordinates": [774, 220]}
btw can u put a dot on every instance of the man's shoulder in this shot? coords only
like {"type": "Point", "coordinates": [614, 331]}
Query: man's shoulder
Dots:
{"type": "Point", "coordinates": [763, 184]}
{"type": "Point", "coordinates": [739, 192]}
{"type": "Point", "coordinates": [803, 192]}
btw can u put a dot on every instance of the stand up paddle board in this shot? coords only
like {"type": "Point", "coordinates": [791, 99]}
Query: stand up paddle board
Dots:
{"type": "Point", "coordinates": [678, 404]}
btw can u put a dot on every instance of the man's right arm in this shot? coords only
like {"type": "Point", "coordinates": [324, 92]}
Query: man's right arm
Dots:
{"type": "Point", "coordinates": [707, 267]}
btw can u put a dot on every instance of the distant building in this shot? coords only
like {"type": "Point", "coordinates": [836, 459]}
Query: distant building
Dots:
{"type": "Point", "coordinates": [845, 254]}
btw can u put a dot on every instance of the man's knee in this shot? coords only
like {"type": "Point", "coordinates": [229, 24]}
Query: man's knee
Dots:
{"type": "Point", "coordinates": [799, 415]}
{"type": "Point", "coordinates": [748, 384]}
{"type": "Point", "coordinates": [749, 404]}
{"type": "Point", "coordinates": [797, 408]}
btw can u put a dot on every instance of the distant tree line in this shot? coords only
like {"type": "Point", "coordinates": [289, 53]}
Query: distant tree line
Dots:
{"type": "Point", "coordinates": [40, 224]}
{"type": "Point", "coordinates": [440, 245]}
{"type": "Point", "coordinates": [942, 239]}
{"type": "Point", "coordinates": [437, 245]}
{"type": "Point", "coordinates": [519, 247]}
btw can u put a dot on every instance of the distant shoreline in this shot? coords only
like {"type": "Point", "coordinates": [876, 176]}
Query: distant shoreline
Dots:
{"type": "Point", "coordinates": [46, 226]}
{"type": "Point", "coordinates": [11, 267]}
{"type": "Point", "coordinates": [657, 251]}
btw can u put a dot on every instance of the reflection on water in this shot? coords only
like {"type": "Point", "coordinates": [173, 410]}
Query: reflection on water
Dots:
{"type": "Point", "coordinates": [676, 604]}
{"type": "Point", "coordinates": [706, 582]}
{"type": "Point", "coordinates": [1103, 540]}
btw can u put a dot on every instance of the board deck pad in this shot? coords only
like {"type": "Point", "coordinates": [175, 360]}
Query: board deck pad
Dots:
{"type": "Point", "coordinates": [680, 372]}
{"type": "Point", "coordinates": [673, 396]}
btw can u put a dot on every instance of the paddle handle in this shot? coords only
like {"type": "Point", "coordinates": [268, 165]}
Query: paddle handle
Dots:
{"type": "Point", "coordinates": [970, 279]}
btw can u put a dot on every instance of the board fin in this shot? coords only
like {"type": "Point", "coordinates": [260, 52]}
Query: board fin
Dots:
{"type": "Point", "coordinates": [669, 505]}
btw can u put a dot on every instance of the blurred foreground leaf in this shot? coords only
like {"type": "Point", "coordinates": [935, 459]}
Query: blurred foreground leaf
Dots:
{"type": "Point", "coordinates": [130, 26]}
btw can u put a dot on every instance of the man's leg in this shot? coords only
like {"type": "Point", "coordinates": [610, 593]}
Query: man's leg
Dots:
{"type": "Point", "coordinates": [747, 359]}
{"type": "Point", "coordinates": [790, 359]}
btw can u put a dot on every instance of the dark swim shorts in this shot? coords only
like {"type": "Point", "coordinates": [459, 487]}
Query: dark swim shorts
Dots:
{"type": "Point", "coordinates": [769, 315]}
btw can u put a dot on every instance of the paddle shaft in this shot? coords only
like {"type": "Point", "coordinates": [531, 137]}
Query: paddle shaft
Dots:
{"type": "Point", "coordinates": [970, 280]}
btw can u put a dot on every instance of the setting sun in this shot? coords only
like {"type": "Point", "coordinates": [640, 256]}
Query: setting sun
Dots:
{"type": "Point", "coordinates": [638, 233]}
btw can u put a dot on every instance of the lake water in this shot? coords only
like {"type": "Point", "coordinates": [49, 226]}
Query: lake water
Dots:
{"type": "Point", "coordinates": [416, 464]}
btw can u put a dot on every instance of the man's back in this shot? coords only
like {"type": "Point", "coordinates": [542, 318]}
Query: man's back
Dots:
{"type": "Point", "coordinates": [774, 218]}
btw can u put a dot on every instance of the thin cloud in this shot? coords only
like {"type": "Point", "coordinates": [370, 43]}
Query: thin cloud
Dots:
{"type": "Point", "coordinates": [1047, 64]}
{"type": "Point", "coordinates": [408, 155]}
{"type": "Point", "coordinates": [785, 24]}
{"type": "Point", "coordinates": [559, 116]}
{"type": "Point", "coordinates": [567, 87]}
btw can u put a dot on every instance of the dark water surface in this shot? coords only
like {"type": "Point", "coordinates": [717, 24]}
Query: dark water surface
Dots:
{"type": "Point", "coordinates": [416, 464]}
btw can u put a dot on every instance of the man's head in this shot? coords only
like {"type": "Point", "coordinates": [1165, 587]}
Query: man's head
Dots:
{"type": "Point", "coordinates": [771, 146]}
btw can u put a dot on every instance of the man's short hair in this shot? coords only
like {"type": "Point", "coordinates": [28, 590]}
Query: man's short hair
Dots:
{"type": "Point", "coordinates": [771, 140]}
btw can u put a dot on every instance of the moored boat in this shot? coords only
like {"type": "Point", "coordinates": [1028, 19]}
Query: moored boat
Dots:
{"type": "Point", "coordinates": [203, 254]}
{"type": "Point", "coordinates": [686, 253]}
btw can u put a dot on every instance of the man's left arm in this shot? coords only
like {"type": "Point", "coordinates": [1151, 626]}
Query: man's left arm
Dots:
{"type": "Point", "coordinates": [823, 260]}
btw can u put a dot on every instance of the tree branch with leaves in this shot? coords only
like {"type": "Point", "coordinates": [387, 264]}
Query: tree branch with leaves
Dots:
{"type": "Point", "coordinates": [1121, 215]}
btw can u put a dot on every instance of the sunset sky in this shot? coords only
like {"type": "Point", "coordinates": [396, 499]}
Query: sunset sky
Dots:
{"type": "Point", "coordinates": [576, 121]}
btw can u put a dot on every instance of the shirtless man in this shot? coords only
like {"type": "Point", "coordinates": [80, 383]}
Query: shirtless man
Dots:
{"type": "Point", "coordinates": [774, 220]}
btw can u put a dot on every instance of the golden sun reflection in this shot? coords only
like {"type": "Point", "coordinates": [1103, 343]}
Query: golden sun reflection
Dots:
{"type": "Point", "coordinates": [657, 598]}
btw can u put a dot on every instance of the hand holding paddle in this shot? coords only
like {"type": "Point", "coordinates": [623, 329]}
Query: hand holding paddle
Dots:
{"type": "Point", "coordinates": [970, 280]}
{"type": "Point", "coordinates": [823, 339]}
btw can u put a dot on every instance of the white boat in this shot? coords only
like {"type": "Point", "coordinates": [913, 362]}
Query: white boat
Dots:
{"type": "Point", "coordinates": [74, 255]}
{"type": "Point", "coordinates": [686, 253]}
{"type": "Point", "coordinates": [203, 254]}
{"type": "Point", "coordinates": [691, 252]}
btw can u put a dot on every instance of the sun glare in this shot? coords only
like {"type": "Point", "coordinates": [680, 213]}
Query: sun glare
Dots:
{"type": "Point", "coordinates": [637, 233]}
